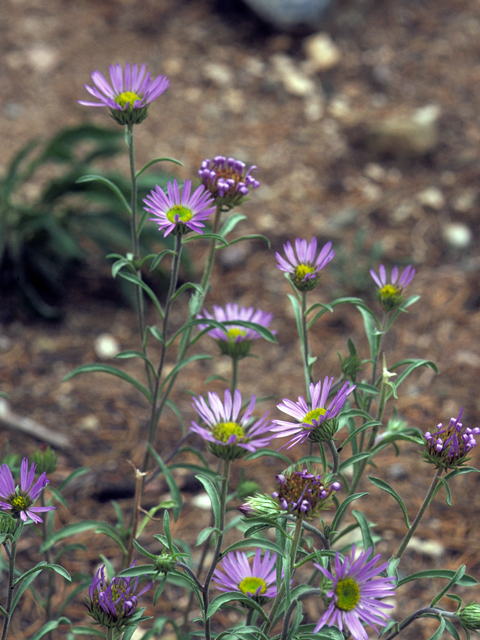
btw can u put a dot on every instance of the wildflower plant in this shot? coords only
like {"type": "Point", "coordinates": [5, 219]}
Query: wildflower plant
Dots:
{"type": "Point", "coordinates": [298, 539]}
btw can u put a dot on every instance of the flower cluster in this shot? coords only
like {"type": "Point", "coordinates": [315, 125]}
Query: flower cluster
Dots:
{"type": "Point", "coordinates": [113, 603]}
{"type": "Point", "coordinates": [180, 213]}
{"type": "Point", "coordinates": [315, 422]}
{"type": "Point", "coordinates": [304, 264]}
{"type": "Point", "coordinates": [447, 447]}
{"type": "Point", "coordinates": [229, 437]}
{"type": "Point", "coordinates": [129, 93]}
{"type": "Point", "coordinates": [18, 501]}
{"type": "Point", "coordinates": [302, 493]}
{"type": "Point", "coordinates": [390, 295]}
{"type": "Point", "coordinates": [355, 594]}
{"type": "Point", "coordinates": [256, 581]}
{"type": "Point", "coordinates": [228, 180]}
{"type": "Point", "coordinates": [235, 340]}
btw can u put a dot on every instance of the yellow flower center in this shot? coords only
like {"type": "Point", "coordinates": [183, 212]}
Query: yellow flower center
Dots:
{"type": "Point", "coordinates": [348, 594]}
{"type": "Point", "coordinates": [251, 584]}
{"type": "Point", "coordinates": [234, 332]}
{"type": "Point", "coordinates": [19, 503]}
{"type": "Point", "coordinates": [126, 97]}
{"type": "Point", "coordinates": [314, 414]}
{"type": "Point", "coordinates": [389, 291]}
{"type": "Point", "coordinates": [303, 270]}
{"type": "Point", "coordinates": [184, 214]}
{"type": "Point", "coordinates": [224, 430]}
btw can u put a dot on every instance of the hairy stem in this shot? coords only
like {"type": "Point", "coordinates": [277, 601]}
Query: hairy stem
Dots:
{"type": "Point", "coordinates": [11, 553]}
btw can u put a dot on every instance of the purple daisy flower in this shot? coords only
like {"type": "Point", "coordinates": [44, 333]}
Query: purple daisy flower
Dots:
{"type": "Point", "coordinates": [180, 213]}
{"type": "Point", "coordinates": [236, 340]}
{"type": "Point", "coordinates": [129, 93]}
{"type": "Point", "coordinates": [228, 180]}
{"type": "Point", "coordinates": [447, 447]}
{"type": "Point", "coordinates": [302, 493]}
{"type": "Point", "coordinates": [256, 581]}
{"type": "Point", "coordinates": [303, 264]}
{"type": "Point", "coordinates": [113, 603]}
{"type": "Point", "coordinates": [228, 436]}
{"type": "Point", "coordinates": [390, 295]}
{"type": "Point", "coordinates": [355, 594]}
{"type": "Point", "coordinates": [315, 422]}
{"type": "Point", "coordinates": [18, 501]}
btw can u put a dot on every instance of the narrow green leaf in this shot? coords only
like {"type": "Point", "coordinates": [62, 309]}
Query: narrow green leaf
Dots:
{"type": "Point", "coordinates": [448, 574]}
{"type": "Point", "coordinates": [88, 631]}
{"type": "Point", "coordinates": [155, 161]}
{"type": "Point", "coordinates": [69, 530]}
{"type": "Point", "coordinates": [260, 453]}
{"type": "Point", "coordinates": [138, 570]}
{"type": "Point", "coordinates": [366, 534]}
{"type": "Point", "coordinates": [231, 222]}
{"type": "Point", "coordinates": [371, 330]}
{"type": "Point", "coordinates": [212, 493]}
{"type": "Point", "coordinates": [159, 257]}
{"type": "Point", "coordinates": [113, 187]}
{"type": "Point", "coordinates": [48, 627]}
{"type": "Point", "coordinates": [114, 371]}
{"type": "Point", "coordinates": [131, 277]}
{"type": "Point", "coordinates": [459, 573]}
{"type": "Point", "coordinates": [343, 506]}
{"type": "Point", "coordinates": [263, 543]}
{"type": "Point", "coordinates": [381, 484]}
{"type": "Point", "coordinates": [172, 485]}
{"type": "Point", "coordinates": [225, 598]}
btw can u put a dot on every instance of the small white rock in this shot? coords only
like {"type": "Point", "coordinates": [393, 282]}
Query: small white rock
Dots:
{"type": "Point", "coordinates": [106, 346]}
{"type": "Point", "coordinates": [219, 74]}
{"type": "Point", "coordinates": [43, 58]}
{"type": "Point", "coordinates": [202, 501]}
{"type": "Point", "coordinates": [457, 235]}
{"type": "Point", "coordinates": [374, 171]}
{"type": "Point", "coordinates": [431, 548]}
{"type": "Point", "coordinates": [431, 197]}
{"type": "Point", "coordinates": [294, 80]}
{"type": "Point", "coordinates": [322, 53]}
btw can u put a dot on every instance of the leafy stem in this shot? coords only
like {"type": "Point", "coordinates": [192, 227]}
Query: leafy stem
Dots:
{"type": "Point", "coordinates": [11, 553]}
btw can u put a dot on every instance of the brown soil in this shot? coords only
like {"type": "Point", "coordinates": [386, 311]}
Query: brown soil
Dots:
{"type": "Point", "coordinates": [323, 172]}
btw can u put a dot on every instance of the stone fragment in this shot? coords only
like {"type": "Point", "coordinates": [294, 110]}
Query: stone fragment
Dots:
{"type": "Point", "coordinates": [431, 197]}
{"type": "Point", "coordinates": [106, 346]}
{"type": "Point", "coordinates": [219, 74]}
{"type": "Point", "coordinates": [294, 80]}
{"type": "Point", "coordinates": [457, 235]}
{"type": "Point", "coordinates": [322, 53]}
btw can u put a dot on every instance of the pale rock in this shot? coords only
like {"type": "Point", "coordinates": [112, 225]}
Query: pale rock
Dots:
{"type": "Point", "coordinates": [202, 501]}
{"type": "Point", "coordinates": [431, 548]}
{"type": "Point", "coordinates": [43, 58]}
{"type": "Point", "coordinates": [219, 74]}
{"type": "Point", "coordinates": [294, 80]}
{"type": "Point", "coordinates": [89, 422]}
{"type": "Point", "coordinates": [431, 197]}
{"type": "Point", "coordinates": [374, 171]}
{"type": "Point", "coordinates": [322, 53]}
{"type": "Point", "coordinates": [291, 14]}
{"type": "Point", "coordinates": [106, 346]}
{"type": "Point", "coordinates": [457, 235]}
{"type": "Point", "coordinates": [314, 107]}
{"type": "Point", "coordinates": [465, 201]}
{"type": "Point", "coordinates": [234, 100]}
{"type": "Point", "coordinates": [403, 135]}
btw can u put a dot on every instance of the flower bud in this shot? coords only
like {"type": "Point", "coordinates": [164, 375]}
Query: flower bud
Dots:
{"type": "Point", "coordinates": [469, 616]}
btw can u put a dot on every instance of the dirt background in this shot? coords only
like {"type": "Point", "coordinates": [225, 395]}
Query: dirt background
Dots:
{"type": "Point", "coordinates": [343, 154]}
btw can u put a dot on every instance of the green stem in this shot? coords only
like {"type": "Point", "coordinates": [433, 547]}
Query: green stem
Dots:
{"type": "Point", "coordinates": [11, 553]}
{"type": "Point", "coordinates": [334, 452]}
{"type": "Point", "coordinates": [234, 374]}
{"type": "Point", "coordinates": [135, 243]}
{"type": "Point", "coordinates": [281, 592]}
{"type": "Point", "coordinates": [51, 576]}
{"type": "Point", "coordinates": [156, 411]}
{"type": "Point", "coordinates": [218, 546]}
{"type": "Point", "coordinates": [420, 514]}
{"type": "Point", "coordinates": [293, 606]}
{"type": "Point", "coordinates": [418, 614]}
{"type": "Point", "coordinates": [305, 347]}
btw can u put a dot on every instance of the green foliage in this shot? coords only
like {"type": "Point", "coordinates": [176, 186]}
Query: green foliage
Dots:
{"type": "Point", "coordinates": [51, 220]}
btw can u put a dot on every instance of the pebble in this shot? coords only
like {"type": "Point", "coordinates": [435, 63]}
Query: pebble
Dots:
{"type": "Point", "coordinates": [465, 201]}
{"type": "Point", "coordinates": [43, 58]}
{"type": "Point", "coordinates": [457, 235]}
{"type": "Point", "coordinates": [291, 14]}
{"type": "Point", "coordinates": [89, 422]}
{"type": "Point", "coordinates": [431, 197]}
{"type": "Point", "coordinates": [401, 135]}
{"type": "Point", "coordinates": [431, 548]}
{"type": "Point", "coordinates": [322, 53]}
{"type": "Point", "coordinates": [106, 346]}
{"type": "Point", "coordinates": [294, 80]}
{"type": "Point", "coordinates": [219, 74]}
